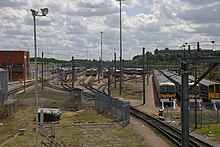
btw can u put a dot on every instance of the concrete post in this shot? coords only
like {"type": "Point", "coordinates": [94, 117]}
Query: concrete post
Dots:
{"type": "Point", "coordinates": [185, 105]}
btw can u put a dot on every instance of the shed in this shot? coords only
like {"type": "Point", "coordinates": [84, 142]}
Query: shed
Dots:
{"type": "Point", "coordinates": [3, 85]}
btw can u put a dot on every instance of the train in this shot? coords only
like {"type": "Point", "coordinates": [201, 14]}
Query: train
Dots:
{"type": "Point", "coordinates": [91, 72]}
{"type": "Point", "coordinates": [206, 89]}
{"type": "Point", "coordinates": [209, 89]}
{"type": "Point", "coordinates": [137, 71]}
{"type": "Point", "coordinates": [176, 79]}
{"type": "Point", "coordinates": [116, 73]}
{"type": "Point", "coordinates": [166, 89]}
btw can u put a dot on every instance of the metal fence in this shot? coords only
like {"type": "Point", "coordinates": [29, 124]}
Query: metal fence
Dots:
{"type": "Point", "coordinates": [205, 113]}
{"type": "Point", "coordinates": [117, 108]}
{"type": "Point", "coordinates": [8, 108]}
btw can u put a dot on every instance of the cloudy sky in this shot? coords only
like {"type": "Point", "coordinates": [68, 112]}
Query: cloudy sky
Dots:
{"type": "Point", "coordinates": [72, 27]}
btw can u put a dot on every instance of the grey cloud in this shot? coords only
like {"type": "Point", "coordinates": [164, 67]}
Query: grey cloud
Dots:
{"type": "Point", "coordinates": [208, 14]}
{"type": "Point", "coordinates": [76, 28]}
{"type": "Point", "coordinates": [17, 31]}
{"type": "Point", "coordinates": [12, 3]}
{"type": "Point", "coordinates": [92, 12]}
{"type": "Point", "coordinates": [112, 21]}
{"type": "Point", "coordinates": [92, 5]}
{"type": "Point", "coordinates": [200, 2]}
{"type": "Point", "coordinates": [39, 21]}
{"type": "Point", "coordinates": [210, 30]}
{"type": "Point", "coordinates": [89, 9]}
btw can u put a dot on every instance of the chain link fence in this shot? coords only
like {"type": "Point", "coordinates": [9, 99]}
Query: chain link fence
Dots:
{"type": "Point", "coordinates": [117, 108]}
{"type": "Point", "coordinates": [204, 113]}
{"type": "Point", "coordinates": [8, 108]}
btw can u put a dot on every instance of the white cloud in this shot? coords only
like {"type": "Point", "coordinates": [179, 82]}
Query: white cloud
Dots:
{"type": "Point", "coordinates": [72, 28]}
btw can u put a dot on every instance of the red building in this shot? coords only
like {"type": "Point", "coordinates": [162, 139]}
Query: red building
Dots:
{"type": "Point", "coordinates": [17, 63]}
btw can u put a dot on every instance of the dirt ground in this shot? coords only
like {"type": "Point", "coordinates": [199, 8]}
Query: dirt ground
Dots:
{"type": "Point", "coordinates": [151, 107]}
{"type": "Point", "coordinates": [150, 137]}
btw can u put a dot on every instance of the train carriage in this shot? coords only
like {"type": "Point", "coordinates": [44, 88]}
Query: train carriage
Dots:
{"type": "Point", "coordinates": [210, 89]}
{"type": "Point", "coordinates": [176, 79]}
{"type": "Point", "coordinates": [91, 72]}
{"type": "Point", "coordinates": [166, 89]}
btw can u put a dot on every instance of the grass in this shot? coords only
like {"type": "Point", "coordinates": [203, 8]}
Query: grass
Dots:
{"type": "Point", "coordinates": [21, 120]}
{"type": "Point", "coordinates": [99, 135]}
{"type": "Point", "coordinates": [214, 128]}
{"type": "Point", "coordinates": [86, 135]}
{"type": "Point", "coordinates": [132, 90]}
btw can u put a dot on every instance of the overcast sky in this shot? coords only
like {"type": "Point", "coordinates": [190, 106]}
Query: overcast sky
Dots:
{"type": "Point", "coordinates": [72, 27]}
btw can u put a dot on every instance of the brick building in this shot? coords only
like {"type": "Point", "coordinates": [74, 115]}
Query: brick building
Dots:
{"type": "Point", "coordinates": [17, 63]}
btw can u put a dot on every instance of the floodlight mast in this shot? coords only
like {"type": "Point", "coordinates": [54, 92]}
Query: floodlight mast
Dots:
{"type": "Point", "coordinates": [121, 58]}
{"type": "Point", "coordinates": [44, 11]}
{"type": "Point", "coordinates": [34, 14]}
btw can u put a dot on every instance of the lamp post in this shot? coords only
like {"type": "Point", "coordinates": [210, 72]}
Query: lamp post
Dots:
{"type": "Point", "coordinates": [42, 71]}
{"type": "Point", "coordinates": [213, 42]}
{"type": "Point", "coordinates": [34, 14]}
{"type": "Point", "coordinates": [101, 56]}
{"type": "Point", "coordinates": [121, 72]}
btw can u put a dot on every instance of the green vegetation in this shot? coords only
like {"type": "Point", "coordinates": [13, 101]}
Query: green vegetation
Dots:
{"type": "Point", "coordinates": [77, 62]}
{"type": "Point", "coordinates": [86, 127]}
{"type": "Point", "coordinates": [131, 90]}
{"type": "Point", "coordinates": [211, 130]}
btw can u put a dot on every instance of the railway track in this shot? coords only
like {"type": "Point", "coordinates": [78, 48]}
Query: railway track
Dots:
{"type": "Point", "coordinates": [19, 88]}
{"type": "Point", "coordinates": [48, 140]}
{"type": "Point", "coordinates": [54, 87]}
{"type": "Point", "coordinates": [168, 131]}
{"type": "Point", "coordinates": [89, 84]}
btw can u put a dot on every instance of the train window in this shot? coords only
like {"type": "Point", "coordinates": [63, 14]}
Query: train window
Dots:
{"type": "Point", "coordinates": [211, 88]}
{"type": "Point", "coordinates": [217, 88]}
{"type": "Point", "coordinates": [170, 89]}
{"type": "Point", "coordinates": [167, 89]}
{"type": "Point", "coordinates": [163, 89]}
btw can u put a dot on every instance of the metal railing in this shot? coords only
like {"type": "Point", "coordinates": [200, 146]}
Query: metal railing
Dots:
{"type": "Point", "coordinates": [117, 108]}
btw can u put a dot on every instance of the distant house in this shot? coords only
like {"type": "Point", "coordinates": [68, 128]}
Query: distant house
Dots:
{"type": "Point", "coordinates": [16, 62]}
{"type": "Point", "coordinates": [202, 52]}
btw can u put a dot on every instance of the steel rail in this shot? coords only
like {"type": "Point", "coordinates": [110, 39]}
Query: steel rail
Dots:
{"type": "Point", "coordinates": [168, 131]}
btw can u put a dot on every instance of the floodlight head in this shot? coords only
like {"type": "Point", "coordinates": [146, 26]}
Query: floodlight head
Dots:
{"type": "Point", "coordinates": [34, 12]}
{"type": "Point", "coordinates": [44, 11]}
